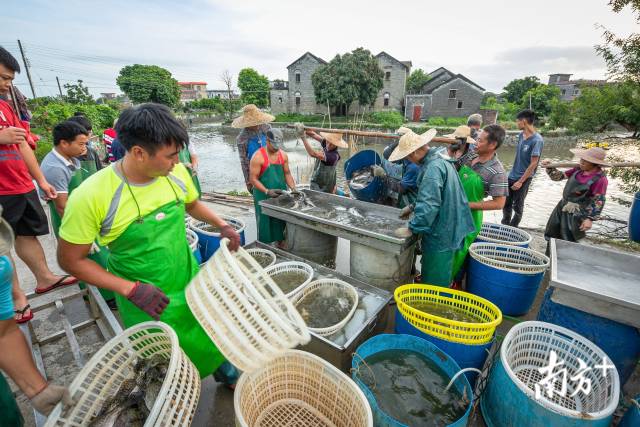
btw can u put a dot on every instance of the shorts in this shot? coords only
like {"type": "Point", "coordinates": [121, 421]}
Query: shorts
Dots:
{"type": "Point", "coordinates": [24, 214]}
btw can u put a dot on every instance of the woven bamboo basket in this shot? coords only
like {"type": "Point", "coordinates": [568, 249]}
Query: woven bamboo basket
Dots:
{"type": "Point", "coordinates": [319, 286]}
{"type": "Point", "coordinates": [299, 389]}
{"type": "Point", "coordinates": [102, 376]}
{"type": "Point", "coordinates": [291, 266]}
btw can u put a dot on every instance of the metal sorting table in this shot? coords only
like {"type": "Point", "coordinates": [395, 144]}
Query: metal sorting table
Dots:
{"type": "Point", "coordinates": [337, 348]}
{"type": "Point", "coordinates": [99, 315]}
{"type": "Point", "coordinates": [597, 281]}
{"type": "Point", "coordinates": [367, 232]}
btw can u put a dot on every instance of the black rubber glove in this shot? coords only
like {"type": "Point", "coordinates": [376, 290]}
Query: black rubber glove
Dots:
{"type": "Point", "coordinates": [234, 238]}
{"type": "Point", "coordinates": [149, 299]}
{"type": "Point", "coordinates": [406, 212]}
{"type": "Point", "coordinates": [274, 193]}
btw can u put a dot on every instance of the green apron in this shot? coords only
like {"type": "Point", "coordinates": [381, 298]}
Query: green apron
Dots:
{"type": "Point", "coordinates": [323, 177]}
{"type": "Point", "coordinates": [474, 189]}
{"type": "Point", "coordinates": [11, 415]}
{"type": "Point", "coordinates": [269, 229]}
{"type": "Point", "coordinates": [87, 168]}
{"type": "Point", "coordinates": [185, 157]}
{"type": "Point", "coordinates": [154, 249]}
{"type": "Point", "coordinates": [436, 266]}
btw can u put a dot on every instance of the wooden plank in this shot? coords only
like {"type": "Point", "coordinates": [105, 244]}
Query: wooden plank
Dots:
{"type": "Point", "coordinates": [41, 302]}
{"type": "Point", "coordinates": [109, 318]}
{"type": "Point", "coordinates": [575, 165]}
{"type": "Point", "coordinates": [57, 335]}
{"type": "Point", "coordinates": [68, 329]}
{"type": "Point", "coordinates": [374, 134]}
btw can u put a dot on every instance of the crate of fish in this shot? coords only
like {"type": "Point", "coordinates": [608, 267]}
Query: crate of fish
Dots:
{"type": "Point", "coordinates": [290, 276]}
{"type": "Point", "coordinates": [264, 257]}
{"type": "Point", "coordinates": [504, 234]}
{"type": "Point", "coordinates": [242, 310]}
{"type": "Point", "coordinates": [448, 314]}
{"type": "Point", "coordinates": [302, 390]}
{"type": "Point", "coordinates": [326, 305]}
{"type": "Point", "coordinates": [139, 377]}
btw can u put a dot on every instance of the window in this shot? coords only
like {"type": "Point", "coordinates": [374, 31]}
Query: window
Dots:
{"type": "Point", "coordinates": [297, 95]}
{"type": "Point", "coordinates": [452, 93]}
{"type": "Point", "coordinates": [564, 92]}
{"type": "Point", "coordinates": [280, 99]}
{"type": "Point", "coordinates": [386, 99]}
{"type": "Point", "coordinates": [297, 76]}
{"type": "Point", "coordinates": [387, 75]}
{"type": "Point", "coordinates": [459, 104]}
{"type": "Point", "coordinates": [576, 91]}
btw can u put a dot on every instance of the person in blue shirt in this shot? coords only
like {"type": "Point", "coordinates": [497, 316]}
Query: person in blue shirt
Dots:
{"type": "Point", "coordinates": [528, 154]}
{"type": "Point", "coordinates": [255, 125]}
{"type": "Point", "coordinates": [407, 186]}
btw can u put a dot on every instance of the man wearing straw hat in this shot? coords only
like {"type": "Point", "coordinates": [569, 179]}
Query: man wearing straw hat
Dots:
{"type": "Point", "coordinates": [254, 124]}
{"type": "Point", "coordinates": [323, 177]}
{"type": "Point", "coordinates": [583, 196]}
{"type": "Point", "coordinates": [441, 212]}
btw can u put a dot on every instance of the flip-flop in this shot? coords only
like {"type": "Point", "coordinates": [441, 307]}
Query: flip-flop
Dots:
{"type": "Point", "coordinates": [58, 284]}
{"type": "Point", "coordinates": [24, 319]}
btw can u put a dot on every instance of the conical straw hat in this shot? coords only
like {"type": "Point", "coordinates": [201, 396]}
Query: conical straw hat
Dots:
{"type": "Point", "coordinates": [252, 116]}
{"type": "Point", "coordinates": [335, 139]}
{"type": "Point", "coordinates": [462, 132]}
{"type": "Point", "coordinates": [595, 155]}
{"type": "Point", "coordinates": [410, 142]}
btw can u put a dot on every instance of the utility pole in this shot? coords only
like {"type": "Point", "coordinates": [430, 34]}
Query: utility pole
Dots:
{"type": "Point", "coordinates": [26, 67]}
{"type": "Point", "coordinates": [59, 88]}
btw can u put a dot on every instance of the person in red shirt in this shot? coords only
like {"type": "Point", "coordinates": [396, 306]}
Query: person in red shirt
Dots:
{"type": "Point", "coordinates": [21, 206]}
{"type": "Point", "coordinates": [107, 138]}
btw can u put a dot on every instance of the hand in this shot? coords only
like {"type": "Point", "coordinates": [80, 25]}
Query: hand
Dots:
{"type": "Point", "coordinates": [194, 163]}
{"type": "Point", "coordinates": [406, 212]}
{"type": "Point", "coordinates": [249, 188]}
{"type": "Point", "coordinates": [274, 193]}
{"type": "Point", "coordinates": [545, 162]}
{"type": "Point", "coordinates": [234, 238]}
{"type": "Point", "coordinates": [586, 225]}
{"type": "Point", "coordinates": [378, 171]}
{"type": "Point", "coordinates": [516, 186]}
{"type": "Point", "coordinates": [48, 190]}
{"type": "Point", "coordinates": [149, 299]}
{"type": "Point", "coordinates": [47, 399]}
{"type": "Point", "coordinates": [13, 135]}
{"type": "Point", "coordinates": [299, 127]}
{"type": "Point", "coordinates": [402, 232]}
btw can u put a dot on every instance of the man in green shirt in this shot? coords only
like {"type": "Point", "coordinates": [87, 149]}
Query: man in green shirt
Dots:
{"type": "Point", "coordinates": [136, 207]}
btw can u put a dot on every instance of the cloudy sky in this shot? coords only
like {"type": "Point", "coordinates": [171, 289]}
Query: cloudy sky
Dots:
{"type": "Point", "coordinates": [490, 41]}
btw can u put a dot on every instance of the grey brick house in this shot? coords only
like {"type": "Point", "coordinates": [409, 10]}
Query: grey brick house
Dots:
{"type": "Point", "coordinates": [446, 94]}
{"type": "Point", "coordinates": [571, 89]}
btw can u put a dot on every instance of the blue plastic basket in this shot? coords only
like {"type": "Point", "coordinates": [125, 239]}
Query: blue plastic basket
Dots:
{"type": "Point", "coordinates": [375, 191]}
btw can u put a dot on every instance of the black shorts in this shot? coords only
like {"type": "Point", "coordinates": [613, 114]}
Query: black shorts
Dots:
{"type": "Point", "coordinates": [25, 214]}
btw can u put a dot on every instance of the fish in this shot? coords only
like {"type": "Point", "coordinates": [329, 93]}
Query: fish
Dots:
{"type": "Point", "coordinates": [355, 212]}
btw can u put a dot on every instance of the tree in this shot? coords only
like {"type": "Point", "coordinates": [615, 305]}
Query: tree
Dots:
{"type": "Point", "coordinates": [506, 110]}
{"type": "Point", "coordinates": [518, 87]}
{"type": "Point", "coordinates": [227, 79]}
{"type": "Point", "coordinates": [254, 87]}
{"type": "Point", "coordinates": [351, 77]}
{"type": "Point", "coordinates": [77, 93]}
{"type": "Point", "coordinates": [213, 104]}
{"type": "Point", "coordinates": [417, 80]}
{"type": "Point", "coordinates": [561, 114]}
{"type": "Point", "coordinates": [622, 55]}
{"type": "Point", "coordinates": [540, 98]}
{"type": "Point", "coordinates": [149, 83]}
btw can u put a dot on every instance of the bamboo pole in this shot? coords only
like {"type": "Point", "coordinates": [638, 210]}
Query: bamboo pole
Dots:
{"type": "Point", "coordinates": [574, 165]}
{"type": "Point", "coordinates": [372, 134]}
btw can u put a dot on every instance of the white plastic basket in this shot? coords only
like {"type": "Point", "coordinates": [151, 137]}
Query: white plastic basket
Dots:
{"type": "Point", "coordinates": [265, 252]}
{"type": "Point", "coordinates": [288, 266]}
{"type": "Point", "coordinates": [299, 389]}
{"type": "Point", "coordinates": [243, 311]}
{"type": "Point", "coordinates": [200, 226]}
{"type": "Point", "coordinates": [192, 238]}
{"type": "Point", "coordinates": [509, 258]}
{"type": "Point", "coordinates": [102, 376]}
{"type": "Point", "coordinates": [319, 285]}
{"type": "Point", "coordinates": [527, 347]}
{"type": "Point", "coordinates": [504, 234]}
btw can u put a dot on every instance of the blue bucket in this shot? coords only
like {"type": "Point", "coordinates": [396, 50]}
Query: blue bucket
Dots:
{"type": "Point", "coordinates": [208, 241]}
{"type": "Point", "coordinates": [508, 276]}
{"type": "Point", "coordinates": [407, 342]}
{"type": "Point", "coordinates": [634, 219]}
{"type": "Point", "coordinates": [632, 416]}
{"type": "Point", "coordinates": [465, 355]}
{"type": "Point", "coordinates": [375, 191]}
{"type": "Point", "coordinates": [620, 342]}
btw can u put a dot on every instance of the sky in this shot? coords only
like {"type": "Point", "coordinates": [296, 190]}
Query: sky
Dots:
{"type": "Point", "coordinates": [491, 42]}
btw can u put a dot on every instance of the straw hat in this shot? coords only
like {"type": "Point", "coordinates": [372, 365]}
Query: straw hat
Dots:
{"type": "Point", "coordinates": [462, 132]}
{"type": "Point", "coordinates": [335, 139]}
{"type": "Point", "coordinates": [410, 142]}
{"type": "Point", "coordinates": [251, 116]}
{"type": "Point", "coordinates": [593, 155]}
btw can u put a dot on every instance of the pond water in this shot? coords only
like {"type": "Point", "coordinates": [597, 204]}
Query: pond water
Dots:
{"type": "Point", "coordinates": [220, 171]}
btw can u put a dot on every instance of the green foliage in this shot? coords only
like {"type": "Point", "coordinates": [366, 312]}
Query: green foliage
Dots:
{"type": "Point", "coordinates": [149, 83]}
{"type": "Point", "coordinates": [515, 90]}
{"type": "Point", "coordinates": [437, 121]}
{"type": "Point", "coordinates": [353, 76]}
{"type": "Point", "coordinates": [48, 115]}
{"type": "Point", "coordinates": [254, 87]}
{"type": "Point", "coordinates": [295, 117]}
{"type": "Point", "coordinates": [506, 110]}
{"type": "Point", "coordinates": [456, 121]}
{"type": "Point", "coordinates": [541, 97]}
{"type": "Point", "coordinates": [211, 104]}
{"type": "Point", "coordinates": [561, 115]}
{"type": "Point", "coordinates": [78, 93]}
{"type": "Point", "coordinates": [417, 80]}
{"type": "Point", "coordinates": [598, 106]}
{"type": "Point", "coordinates": [387, 119]}
{"type": "Point", "coordinates": [622, 55]}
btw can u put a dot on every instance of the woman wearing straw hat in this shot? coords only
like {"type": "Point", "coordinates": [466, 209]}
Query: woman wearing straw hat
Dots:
{"type": "Point", "coordinates": [254, 124]}
{"type": "Point", "coordinates": [583, 196]}
{"type": "Point", "coordinates": [441, 212]}
{"type": "Point", "coordinates": [323, 177]}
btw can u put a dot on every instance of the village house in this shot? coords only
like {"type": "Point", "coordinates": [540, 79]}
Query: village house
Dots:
{"type": "Point", "coordinates": [446, 94]}
{"type": "Point", "coordinates": [222, 94]}
{"type": "Point", "coordinates": [190, 91]}
{"type": "Point", "coordinates": [297, 95]}
{"type": "Point", "coordinates": [571, 89]}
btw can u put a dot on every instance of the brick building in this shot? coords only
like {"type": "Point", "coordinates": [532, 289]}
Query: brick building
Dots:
{"type": "Point", "coordinates": [190, 91]}
{"type": "Point", "coordinates": [570, 89]}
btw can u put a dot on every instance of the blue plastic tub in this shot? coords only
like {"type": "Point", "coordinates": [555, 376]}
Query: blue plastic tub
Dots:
{"type": "Point", "coordinates": [375, 191]}
{"type": "Point", "coordinates": [508, 276]}
{"type": "Point", "coordinates": [465, 355]}
{"type": "Point", "coordinates": [634, 219]}
{"type": "Point", "coordinates": [407, 342]}
{"type": "Point", "coordinates": [209, 242]}
{"type": "Point", "coordinates": [632, 416]}
{"type": "Point", "coordinates": [620, 342]}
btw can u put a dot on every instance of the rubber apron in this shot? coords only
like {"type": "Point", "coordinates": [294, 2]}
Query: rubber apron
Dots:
{"type": "Point", "coordinates": [269, 229]}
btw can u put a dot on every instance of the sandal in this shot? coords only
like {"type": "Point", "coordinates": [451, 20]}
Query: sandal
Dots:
{"type": "Point", "coordinates": [58, 284]}
{"type": "Point", "coordinates": [23, 318]}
